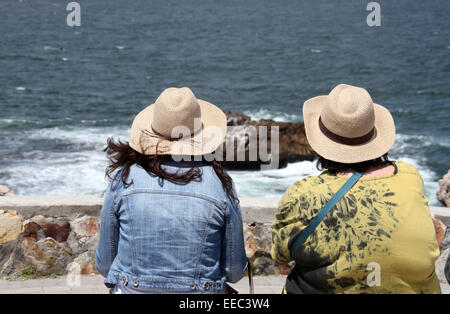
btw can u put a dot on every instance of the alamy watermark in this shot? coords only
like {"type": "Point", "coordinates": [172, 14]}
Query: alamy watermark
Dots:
{"type": "Point", "coordinates": [374, 277]}
{"type": "Point", "coordinates": [242, 143]}
{"type": "Point", "coordinates": [74, 17]}
{"type": "Point", "coordinates": [73, 278]}
{"type": "Point", "coordinates": [374, 17]}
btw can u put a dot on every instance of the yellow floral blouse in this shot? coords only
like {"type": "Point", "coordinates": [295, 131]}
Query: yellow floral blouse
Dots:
{"type": "Point", "coordinates": [379, 238]}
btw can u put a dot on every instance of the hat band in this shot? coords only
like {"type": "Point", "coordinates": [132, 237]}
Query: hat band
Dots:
{"type": "Point", "coordinates": [171, 138]}
{"type": "Point", "coordinates": [345, 140]}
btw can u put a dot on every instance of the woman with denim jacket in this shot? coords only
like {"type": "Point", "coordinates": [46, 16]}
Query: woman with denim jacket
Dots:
{"type": "Point", "coordinates": [171, 222]}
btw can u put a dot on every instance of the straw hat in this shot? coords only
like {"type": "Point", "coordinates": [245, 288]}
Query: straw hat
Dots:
{"type": "Point", "coordinates": [346, 126]}
{"type": "Point", "coordinates": [179, 124]}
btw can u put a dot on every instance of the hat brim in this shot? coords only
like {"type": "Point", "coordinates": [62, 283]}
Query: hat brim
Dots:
{"type": "Point", "coordinates": [203, 142]}
{"type": "Point", "coordinates": [381, 141]}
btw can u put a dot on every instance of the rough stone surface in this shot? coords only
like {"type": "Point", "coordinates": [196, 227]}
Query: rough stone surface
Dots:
{"type": "Point", "coordinates": [86, 262]}
{"type": "Point", "coordinates": [84, 235]}
{"type": "Point", "coordinates": [58, 230]}
{"type": "Point", "coordinates": [5, 191]}
{"type": "Point", "coordinates": [446, 241]}
{"type": "Point", "coordinates": [10, 226]}
{"type": "Point", "coordinates": [257, 246]}
{"type": "Point", "coordinates": [46, 256]}
{"type": "Point", "coordinates": [85, 226]}
{"type": "Point", "coordinates": [443, 194]}
{"type": "Point", "coordinates": [440, 265]}
{"type": "Point", "coordinates": [439, 228]}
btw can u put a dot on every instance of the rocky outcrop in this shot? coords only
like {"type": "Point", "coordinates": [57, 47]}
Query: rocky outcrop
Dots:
{"type": "Point", "coordinates": [5, 191]}
{"type": "Point", "coordinates": [443, 194]}
{"type": "Point", "coordinates": [247, 138]}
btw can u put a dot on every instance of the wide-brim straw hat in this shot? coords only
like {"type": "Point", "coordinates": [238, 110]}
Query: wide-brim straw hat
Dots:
{"type": "Point", "coordinates": [178, 123]}
{"type": "Point", "coordinates": [347, 127]}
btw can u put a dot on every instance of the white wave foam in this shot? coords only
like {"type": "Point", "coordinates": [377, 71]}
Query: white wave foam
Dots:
{"type": "Point", "coordinates": [95, 136]}
{"type": "Point", "coordinates": [20, 88]}
{"type": "Point", "coordinates": [58, 173]}
{"type": "Point", "coordinates": [274, 115]}
{"type": "Point", "coordinates": [82, 172]}
{"type": "Point", "coordinates": [271, 183]}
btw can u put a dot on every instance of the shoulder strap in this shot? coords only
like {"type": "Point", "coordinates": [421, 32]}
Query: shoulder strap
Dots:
{"type": "Point", "coordinates": [323, 212]}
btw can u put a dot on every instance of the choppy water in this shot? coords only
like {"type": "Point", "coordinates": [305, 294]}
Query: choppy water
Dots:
{"type": "Point", "coordinates": [64, 90]}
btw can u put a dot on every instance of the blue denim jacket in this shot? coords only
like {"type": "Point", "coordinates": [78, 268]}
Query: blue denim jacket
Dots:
{"type": "Point", "coordinates": [163, 236]}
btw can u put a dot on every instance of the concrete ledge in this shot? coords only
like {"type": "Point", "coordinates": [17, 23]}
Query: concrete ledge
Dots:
{"type": "Point", "coordinates": [254, 209]}
{"type": "Point", "coordinates": [258, 209]}
{"type": "Point", "coordinates": [441, 213]}
{"type": "Point", "coordinates": [28, 206]}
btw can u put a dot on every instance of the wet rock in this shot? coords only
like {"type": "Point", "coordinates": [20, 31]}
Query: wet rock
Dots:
{"type": "Point", "coordinates": [443, 194]}
{"type": "Point", "coordinates": [243, 132]}
{"type": "Point", "coordinates": [10, 226]}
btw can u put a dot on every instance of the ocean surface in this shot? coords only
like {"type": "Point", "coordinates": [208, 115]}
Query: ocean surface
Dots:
{"type": "Point", "coordinates": [65, 90]}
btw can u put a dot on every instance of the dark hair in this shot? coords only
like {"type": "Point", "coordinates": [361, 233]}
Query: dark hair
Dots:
{"type": "Point", "coordinates": [121, 155]}
{"type": "Point", "coordinates": [336, 167]}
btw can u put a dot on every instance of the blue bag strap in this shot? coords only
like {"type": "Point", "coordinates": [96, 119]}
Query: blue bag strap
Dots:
{"type": "Point", "coordinates": [323, 212]}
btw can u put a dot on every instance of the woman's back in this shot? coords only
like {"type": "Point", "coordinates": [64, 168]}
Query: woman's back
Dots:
{"type": "Point", "coordinates": [378, 238]}
{"type": "Point", "coordinates": [173, 237]}
{"type": "Point", "coordinates": [169, 225]}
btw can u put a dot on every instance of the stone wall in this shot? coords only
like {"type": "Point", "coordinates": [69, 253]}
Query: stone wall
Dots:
{"type": "Point", "coordinates": [48, 235]}
{"type": "Point", "coordinates": [44, 235]}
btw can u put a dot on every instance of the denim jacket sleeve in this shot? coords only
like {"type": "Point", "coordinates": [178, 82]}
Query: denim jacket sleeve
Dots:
{"type": "Point", "coordinates": [233, 246]}
{"type": "Point", "coordinates": [109, 230]}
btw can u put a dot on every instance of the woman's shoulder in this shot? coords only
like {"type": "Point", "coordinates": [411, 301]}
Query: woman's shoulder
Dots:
{"type": "Point", "coordinates": [312, 185]}
{"type": "Point", "coordinates": [403, 167]}
{"type": "Point", "coordinates": [314, 182]}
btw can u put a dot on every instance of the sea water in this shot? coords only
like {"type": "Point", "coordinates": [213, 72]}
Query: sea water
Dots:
{"type": "Point", "coordinates": [65, 90]}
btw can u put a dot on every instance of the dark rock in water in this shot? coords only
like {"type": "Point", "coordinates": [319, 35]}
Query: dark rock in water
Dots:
{"type": "Point", "coordinates": [246, 138]}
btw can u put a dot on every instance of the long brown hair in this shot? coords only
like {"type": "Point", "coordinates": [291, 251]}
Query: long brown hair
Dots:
{"type": "Point", "coordinates": [121, 156]}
